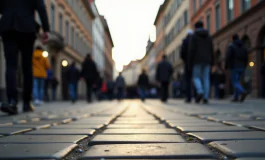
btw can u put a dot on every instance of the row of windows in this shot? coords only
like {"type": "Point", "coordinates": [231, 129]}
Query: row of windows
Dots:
{"type": "Point", "coordinates": [173, 9]}
{"type": "Point", "coordinates": [181, 23]}
{"type": "Point", "coordinates": [174, 56]}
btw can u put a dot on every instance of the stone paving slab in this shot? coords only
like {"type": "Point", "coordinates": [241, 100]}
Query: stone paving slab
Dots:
{"type": "Point", "coordinates": [88, 132]}
{"type": "Point", "coordinates": [54, 123]}
{"type": "Point", "coordinates": [32, 139]}
{"type": "Point", "coordinates": [213, 129]}
{"type": "Point", "coordinates": [227, 118]}
{"type": "Point", "coordinates": [245, 123]}
{"type": "Point", "coordinates": [236, 149]}
{"type": "Point", "coordinates": [76, 126]}
{"type": "Point", "coordinates": [35, 151]}
{"type": "Point", "coordinates": [11, 131]}
{"type": "Point", "coordinates": [139, 131]}
{"type": "Point", "coordinates": [91, 122]}
{"type": "Point", "coordinates": [27, 126]}
{"type": "Point", "coordinates": [142, 151]}
{"type": "Point", "coordinates": [251, 158]}
{"type": "Point", "coordinates": [208, 124]}
{"type": "Point", "coordinates": [136, 126]}
{"type": "Point", "coordinates": [136, 138]}
{"type": "Point", "coordinates": [207, 137]}
{"type": "Point", "coordinates": [137, 122]}
{"type": "Point", "coordinates": [259, 127]}
{"type": "Point", "coordinates": [140, 118]}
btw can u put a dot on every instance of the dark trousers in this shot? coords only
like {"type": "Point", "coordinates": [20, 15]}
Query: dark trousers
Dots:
{"type": "Point", "coordinates": [120, 93]}
{"type": "Point", "coordinates": [110, 94]}
{"type": "Point", "coordinates": [164, 91]}
{"type": "Point", "coordinates": [15, 43]}
{"type": "Point", "coordinates": [188, 81]}
{"type": "Point", "coordinates": [88, 91]}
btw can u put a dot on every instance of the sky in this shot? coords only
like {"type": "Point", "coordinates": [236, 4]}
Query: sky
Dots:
{"type": "Point", "coordinates": [131, 22]}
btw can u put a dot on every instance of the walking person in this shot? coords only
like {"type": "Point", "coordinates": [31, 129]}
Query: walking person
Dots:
{"type": "Point", "coordinates": [18, 31]}
{"type": "Point", "coordinates": [218, 82]}
{"type": "Point", "coordinates": [200, 60]}
{"type": "Point", "coordinates": [54, 84]}
{"type": "Point", "coordinates": [262, 73]}
{"type": "Point", "coordinates": [143, 83]}
{"type": "Point", "coordinates": [120, 85]}
{"type": "Point", "coordinates": [110, 87]}
{"type": "Point", "coordinates": [164, 72]}
{"type": "Point", "coordinates": [73, 76]}
{"type": "Point", "coordinates": [90, 74]}
{"type": "Point", "coordinates": [187, 72]}
{"type": "Point", "coordinates": [236, 62]}
{"type": "Point", "coordinates": [40, 66]}
{"type": "Point", "coordinates": [47, 85]}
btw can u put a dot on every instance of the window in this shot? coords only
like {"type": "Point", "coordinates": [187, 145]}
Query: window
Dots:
{"type": "Point", "coordinates": [186, 19]}
{"type": "Point", "coordinates": [230, 9]}
{"type": "Point", "coordinates": [246, 4]}
{"type": "Point", "coordinates": [200, 1]}
{"type": "Point", "coordinates": [52, 17]}
{"type": "Point", "coordinates": [208, 21]}
{"type": "Point", "coordinates": [67, 31]}
{"type": "Point", "coordinates": [194, 6]}
{"type": "Point", "coordinates": [217, 17]}
{"type": "Point", "coordinates": [61, 24]}
{"type": "Point", "coordinates": [73, 36]}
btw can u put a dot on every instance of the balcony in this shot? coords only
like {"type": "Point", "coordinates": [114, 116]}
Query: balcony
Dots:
{"type": "Point", "coordinates": [56, 41]}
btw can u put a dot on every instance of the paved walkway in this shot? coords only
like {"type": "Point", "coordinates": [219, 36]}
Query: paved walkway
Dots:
{"type": "Point", "coordinates": [135, 130]}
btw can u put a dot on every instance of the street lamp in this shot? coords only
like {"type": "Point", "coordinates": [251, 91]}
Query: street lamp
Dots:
{"type": "Point", "coordinates": [251, 64]}
{"type": "Point", "coordinates": [64, 63]}
{"type": "Point", "coordinates": [45, 54]}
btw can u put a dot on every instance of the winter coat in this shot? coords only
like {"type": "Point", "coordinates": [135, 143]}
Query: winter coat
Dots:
{"type": "Point", "coordinates": [89, 71]}
{"type": "Point", "coordinates": [201, 49]}
{"type": "Point", "coordinates": [40, 65]}
{"type": "Point", "coordinates": [164, 71]}
{"type": "Point", "coordinates": [120, 82]}
{"type": "Point", "coordinates": [185, 48]}
{"type": "Point", "coordinates": [143, 81]}
{"type": "Point", "coordinates": [236, 55]}
{"type": "Point", "coordinates": [73, 74]}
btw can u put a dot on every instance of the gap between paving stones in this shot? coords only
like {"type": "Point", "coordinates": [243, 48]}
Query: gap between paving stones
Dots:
{"type": "Point", "coordinates": [83, 145]}
{"type": "Point", "coordinates": [187, 137]}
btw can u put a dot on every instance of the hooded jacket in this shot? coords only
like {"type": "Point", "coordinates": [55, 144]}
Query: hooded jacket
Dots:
{"type": "Point", "coordinates": [236, 55]}
{"type": "Point", "coordinates": [201, 48]}
{"type": "Point", "coordinates": [40, 65]}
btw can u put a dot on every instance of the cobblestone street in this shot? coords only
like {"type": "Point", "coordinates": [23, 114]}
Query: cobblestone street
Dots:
{"type": "Point", "coordinates": [135, 130]}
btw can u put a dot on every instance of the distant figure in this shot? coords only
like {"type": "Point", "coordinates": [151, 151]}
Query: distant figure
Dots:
{"type": "Point", "coordinates": [18, 31]}
{"type": "Point", "coordinates": [47, 84]}
{"type": "Point", "coordinates": [40, 66]}
{"type": "Point", "coordinates": [164, 72]}
{"type": "Point", "coordinates": [73, 76]}
{"type": "Point", "coordinates": [143, 83]}
{"type": "Point", "coordinates": [54, 84]}
{"type": "Point", "coordinates": [200, 60]}
{"type": "Point", "coordinates": [187, 72]}
{"type": "Point", "coordinates": [120, 85]}
{"type": "Point", "coordinates": [219, 82]}
{"type": "Point", "coordinates": [236, 62]}
{"type": "Point", "coordinates": [262, 73]}
{"type": "Point", "coordinates": [90, 74]}
{"type": "Point", "coordinates": [103, 90]}
{"type": "Point", "coordinates": [111, 87]}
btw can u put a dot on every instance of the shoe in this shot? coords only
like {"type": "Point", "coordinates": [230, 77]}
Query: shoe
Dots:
{"type": "Point", "coordinates": [205, 101]}
{"type": "Point", "coordinates": [243, 96]}
{"type": "Point", "coordinates": [10, 108]}
{"type": "Point", "coordinates": [27, 107]}
{"type": "Point", "coordinates": [235, 100]}
{"type": "Point", "coordinates": [37, 102]}
{"type": "Point", "coordinates": [199, 98]}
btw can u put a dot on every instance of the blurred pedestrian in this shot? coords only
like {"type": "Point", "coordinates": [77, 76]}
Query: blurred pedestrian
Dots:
{"type": "Point", "coordinates": [200, 60]}
{"type": "Point", "coordinates": [40, 66]}
{"type": "Point", "coordinates": [219, 81]}
{"type": "Point", "coordinates": [236, 62]}
{"type": "Point", "coordinates": [47, 84]}
{"type": "Point", "coordinates": [164, 72]}
{"type": "Point", "coordinates": [111, 87]}
{"type": "Point", "coordinates": [120, 85]}
{"type": "Point", "coordinates": [143, 84]}
{"type": "Point", "coordinates": [262, 73]}
{"type": "Point", "coordinates": [187, 72]}
{"type": "Point", "coordinates": [103, 90]}
{"type": "Point", "coordinates": [54, 84]}
{"type": "Point", "coordinates": [18, 30]}
{"type": "Point", "coordinates": [73, 75]}
{"type": "Point", "coordinates": [90, 74]}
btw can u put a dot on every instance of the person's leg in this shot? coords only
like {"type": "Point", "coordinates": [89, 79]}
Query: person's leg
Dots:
{"type": "Point", "coordinates": [216, 91]}
{"type": "Point", "coordinates": [188, 78]}
{"type": "Point", "coordinates": [206, 81]}
{"type": "Point", "coordinates": [88, 91]}
{"type": "Point", "coordinates": [35, 89]}
{"type": "Point", "coordinates": [234, 79]}
{"type": "Point", "coordinates": [166, 91]}
{"type": "Point", "coordinates": [26, 42]}
{"type": "Point", "coordinates": [75, 91]}
{"type": "Point", "coordinates": [197, 79]}
{"type": "Point", "coordinates": [53, 94]}
{"type": "Point", "coordinates": [41, 91]}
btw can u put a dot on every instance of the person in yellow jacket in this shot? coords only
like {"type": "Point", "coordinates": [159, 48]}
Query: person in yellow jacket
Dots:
{"type": "Point", "coordinates": [40, 66]}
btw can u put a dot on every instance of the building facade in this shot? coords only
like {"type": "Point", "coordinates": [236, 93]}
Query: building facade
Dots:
{"type": "Point", "coordinates": [223, 18]}
{"type": "Point", "coordinates": [70, 41]}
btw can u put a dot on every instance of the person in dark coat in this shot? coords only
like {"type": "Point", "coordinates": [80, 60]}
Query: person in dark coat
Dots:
{"type": "Point", "coordinates": [90, 74]}
{"type": "Point", "coordinates": [262, 73]}
{"type": "Point", "coordinates": [54, 84]}
{"type": "Point", "coordinates": [164, 73]}
{"type": "Point", "coordinates": [120, 86]}
{"type": "Point", "coordinates": [18, 29]}
{"type": "Point", "coordinates": [73, 76]}
{"type": "Point", "coordinates": [143, 83]}
{"type": "Point", "coordinates": [111, 87]}
{"type": "Point", "coordinates": [187, 72]}
{"type": "Point", "coordinates": [218, 82]}
{"type": "Point", "coordinates": [236, 62]}
{"type": "Point", "coordinates": [200, 60]}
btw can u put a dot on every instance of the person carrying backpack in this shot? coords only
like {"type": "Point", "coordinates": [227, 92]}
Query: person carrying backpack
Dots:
{"type": "Point", "coordinates": [236, 62]}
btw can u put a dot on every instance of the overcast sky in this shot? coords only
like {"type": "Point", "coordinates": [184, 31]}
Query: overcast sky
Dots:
{"type": "Point", "coordinates": [131, 23]}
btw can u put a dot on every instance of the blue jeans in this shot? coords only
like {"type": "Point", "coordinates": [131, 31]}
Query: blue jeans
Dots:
{"type": "Point", "coordinates": [142, 93]}
{"type": "Point", "coordinates": [201, 79]}
{"type": "Point", "coordinates": [188, 83]}
{"type": "Point", "coordinates": [38, 88]}
{"type": "Point", "coordinates": [236, 75]}
{"type": "Point", "coordinates": [73, 91]}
